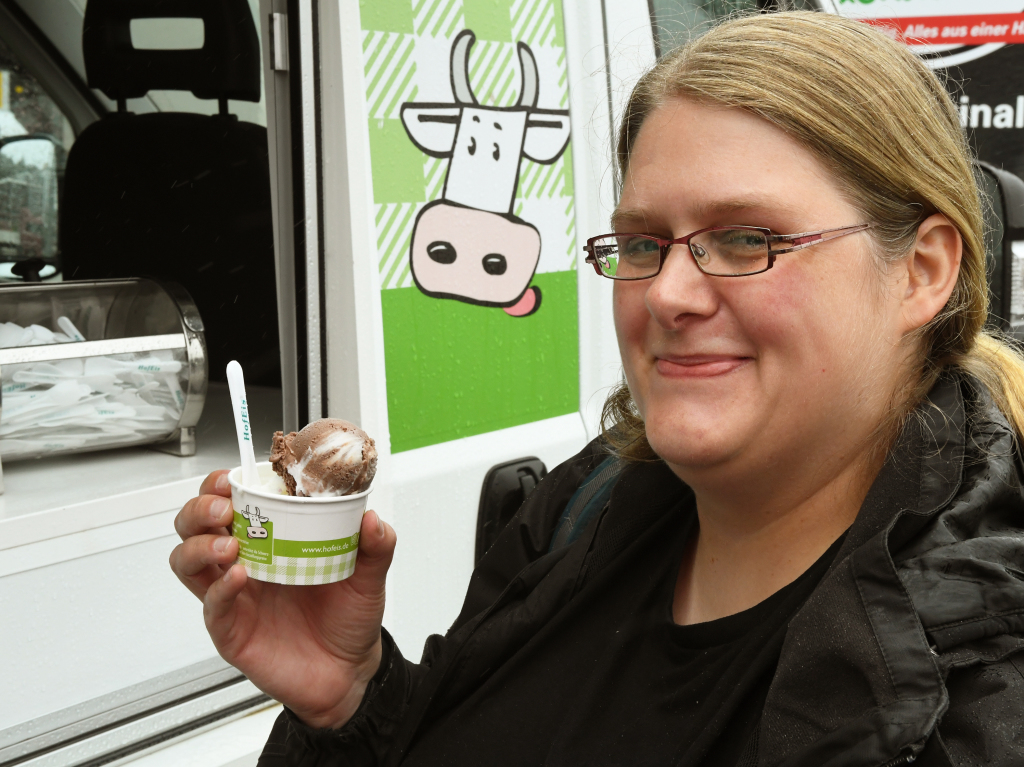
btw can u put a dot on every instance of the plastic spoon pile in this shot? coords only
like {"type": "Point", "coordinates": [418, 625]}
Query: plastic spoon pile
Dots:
{"type": "Point", "coordinates": [84, 403]}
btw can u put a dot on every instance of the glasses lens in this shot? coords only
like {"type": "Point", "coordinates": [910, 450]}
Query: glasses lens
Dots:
{"type": "Point", "coordinates": [729, 252]}
{"type": "Point", "coordinates": [627, 257]}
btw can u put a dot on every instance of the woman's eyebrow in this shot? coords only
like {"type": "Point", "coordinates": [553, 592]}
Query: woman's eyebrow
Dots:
{"type": "Point", "coordinates": [622, 216]}
{"type": "Point", "coordinates": [703, 211]}
{"type": "Point", "coordinates": [716, 208]}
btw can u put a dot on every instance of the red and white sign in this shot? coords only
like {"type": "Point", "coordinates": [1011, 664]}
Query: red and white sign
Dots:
{"type": "Point", "coordinates": [976, 29]}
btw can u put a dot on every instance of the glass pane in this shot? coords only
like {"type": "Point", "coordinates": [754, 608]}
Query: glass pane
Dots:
{"type": "Point", "coordinates": [88, 403]}
{"type": "Point", "coordinates": [676, 21]}
{"type": "Point", "coordinates": [25, 107]}
{"type": "Point", "coordinates": [627, 257]}
{"type": "Point", "coordinates": [730, 251]}
{"type": "Point", "coordinates": [70, 383]}
{"type": "Point", "coordinates": [96, 528]}
{"type": "Point", "coordinates": [30, 171]}
{"type": "Point", "coordinates": [174, 34]}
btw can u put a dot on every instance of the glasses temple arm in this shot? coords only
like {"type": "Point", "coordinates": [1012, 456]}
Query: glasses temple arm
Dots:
{"type": "Point", "coordinates": [803, 240]}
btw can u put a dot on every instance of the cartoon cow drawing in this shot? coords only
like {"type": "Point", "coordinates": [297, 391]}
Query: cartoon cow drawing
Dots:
{"type": "Point", "coordinates": [468, 245]}
{"type": "Point", "coordinates": [256, 520]}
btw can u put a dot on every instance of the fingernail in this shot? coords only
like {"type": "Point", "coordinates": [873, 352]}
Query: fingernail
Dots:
{"type": "Point", "coordinates": [380, 524]}
{"type": "Point", "coordinates": [222, 484]}
{"type": "Point", "coordinates": [221, 544]}
{"type": "Point", "coordinates": [219, 508]}
{"type": "Point", "coordinates": [227, 576]}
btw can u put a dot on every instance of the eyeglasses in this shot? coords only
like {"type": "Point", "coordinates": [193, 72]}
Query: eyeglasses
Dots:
{"type": "Point", "coordinates": [720, 251]}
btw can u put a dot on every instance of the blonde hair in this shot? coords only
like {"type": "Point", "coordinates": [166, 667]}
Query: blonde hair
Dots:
{"type": "Point", "coordinates": [885, 127]}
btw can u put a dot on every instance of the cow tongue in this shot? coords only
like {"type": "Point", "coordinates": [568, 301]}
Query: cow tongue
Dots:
{"type": "Point", "coordinates": [327, 458]}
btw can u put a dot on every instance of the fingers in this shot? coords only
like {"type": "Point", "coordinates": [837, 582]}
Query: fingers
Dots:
{"type": "Point", "coordinates": [210, 510]}
{"type": "Point", "coordinates": [202, 515]}
{"type": "Point", "coordinates": [201, 550]}
{"type": "Point", "coordinates": [216, 483]}
{"type": "Point", "coordinates": [201, 559]}
{"type": "Point", "coordinates": [377, 541]}
{"type": "Point", "coordinates": [204, 525]}
{"type": "Point", "coordinates": [219, 603]}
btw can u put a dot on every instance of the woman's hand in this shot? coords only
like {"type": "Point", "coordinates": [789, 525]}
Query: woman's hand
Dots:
{"type": "Point", "coordinates": [314, 648]}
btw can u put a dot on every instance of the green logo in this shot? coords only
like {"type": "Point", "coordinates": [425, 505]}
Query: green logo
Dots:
{"type": "Point", "coordinates": [255, 534]}
{"type": "Point", "coordinates": [256, 543]}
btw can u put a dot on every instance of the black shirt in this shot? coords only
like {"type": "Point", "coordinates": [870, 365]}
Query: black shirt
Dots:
{"type": "Point", "coordinates": [614, 681]}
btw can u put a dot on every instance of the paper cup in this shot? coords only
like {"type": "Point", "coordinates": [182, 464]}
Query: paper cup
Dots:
{"type": "Point", "coordinates": [292, 540]}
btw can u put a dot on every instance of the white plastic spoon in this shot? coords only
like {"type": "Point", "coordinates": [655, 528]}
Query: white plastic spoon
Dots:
{"type": "Point", "coordinates": [240, 409]}
{"type": "Point", "coordinates": [69, 328]}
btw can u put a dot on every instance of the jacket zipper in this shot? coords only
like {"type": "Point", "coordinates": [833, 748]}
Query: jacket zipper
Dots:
{"type": "Point", "coordinates": [901, 760]}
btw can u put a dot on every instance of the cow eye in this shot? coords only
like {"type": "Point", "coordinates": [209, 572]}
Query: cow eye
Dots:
{"type": "Point", "coordinates": [497, 152]}
{"type": "Point", "coordinates": [495, 263]}
{"type": "Point", "coordinates": [442, 252]}
{"type": "Point", "coordinates": [472, 145]}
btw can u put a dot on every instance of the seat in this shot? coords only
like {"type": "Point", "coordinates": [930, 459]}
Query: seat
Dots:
{"type": "Point", "coordinates": [179, 196]}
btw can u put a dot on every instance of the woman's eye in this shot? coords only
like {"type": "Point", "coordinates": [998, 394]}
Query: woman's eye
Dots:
{"type": "Point", "coordinates": [641, 247]}
{"type": "Point", "coordinates": [742, 240]}
{"type": "Point", "coordinates": [741, 244]}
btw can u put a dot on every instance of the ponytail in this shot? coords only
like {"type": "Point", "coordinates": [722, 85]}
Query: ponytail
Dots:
{"type": "Point", "coordinates": [999, 367]}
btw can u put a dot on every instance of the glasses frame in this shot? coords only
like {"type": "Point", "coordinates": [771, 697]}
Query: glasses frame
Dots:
{"type": "Point", "coordinates": [798, 242]}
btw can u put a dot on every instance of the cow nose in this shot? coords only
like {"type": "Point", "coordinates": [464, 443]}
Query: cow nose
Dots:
{"type": "Point", "coordinates": [495, 263]}
{"type": "Point", "coordinates": [444, 252]}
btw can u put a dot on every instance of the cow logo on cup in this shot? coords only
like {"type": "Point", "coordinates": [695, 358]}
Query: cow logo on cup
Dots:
{"type": "Point", "coordinates": [468, 245]}
{"type": "Point", "coordinates": [256, 520]}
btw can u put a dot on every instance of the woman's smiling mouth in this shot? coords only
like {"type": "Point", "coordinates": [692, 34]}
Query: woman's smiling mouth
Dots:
{"type": "Point", "coordinates": [698, 365]}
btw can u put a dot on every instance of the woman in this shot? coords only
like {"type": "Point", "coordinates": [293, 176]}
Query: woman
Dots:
{"type": "Point", "coordinates": [800, 539]}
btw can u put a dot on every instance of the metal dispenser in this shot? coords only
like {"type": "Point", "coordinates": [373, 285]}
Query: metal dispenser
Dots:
{"type": "Point", "coordinates": [93, 365]}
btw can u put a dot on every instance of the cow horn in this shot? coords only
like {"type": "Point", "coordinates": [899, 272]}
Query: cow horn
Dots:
{"type": "Point", "coordinates": [528, 93]}
{"type": "Point", "coordinates": [460, 67]}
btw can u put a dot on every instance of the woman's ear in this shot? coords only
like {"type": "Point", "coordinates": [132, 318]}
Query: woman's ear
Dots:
{"type": "Point", "coordinates": [932, 270]}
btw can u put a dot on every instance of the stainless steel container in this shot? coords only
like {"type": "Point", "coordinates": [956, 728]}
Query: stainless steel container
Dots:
{"type": "Point", "coordinates": [99, 364]}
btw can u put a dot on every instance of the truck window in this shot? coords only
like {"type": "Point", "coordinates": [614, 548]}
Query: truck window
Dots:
{"type": "Point", "coordinates": [29, 171]}
{"type": "Point", "coordinates": [674, 21]}
{"type": "Point", "coordinates": [112, 653]}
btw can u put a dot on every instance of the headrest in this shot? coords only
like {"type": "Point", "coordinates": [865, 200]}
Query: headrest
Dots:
{"type": "Point", "coordinates": [226, 67]}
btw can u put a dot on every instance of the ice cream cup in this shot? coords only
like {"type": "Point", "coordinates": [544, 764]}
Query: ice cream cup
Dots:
{"type": "Point", "coordinates": [292, 540]}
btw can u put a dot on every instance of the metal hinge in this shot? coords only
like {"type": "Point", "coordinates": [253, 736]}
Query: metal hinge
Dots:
{"type": "Point", "coordinates": [279, 42]}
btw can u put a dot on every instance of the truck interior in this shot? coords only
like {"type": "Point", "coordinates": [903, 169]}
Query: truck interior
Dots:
{"type": "Point", "coordinates": [171, 141]}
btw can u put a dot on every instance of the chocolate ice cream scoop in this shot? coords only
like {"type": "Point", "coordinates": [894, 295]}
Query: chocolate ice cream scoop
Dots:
{"type": "Point", "coordinates": [328, 457]}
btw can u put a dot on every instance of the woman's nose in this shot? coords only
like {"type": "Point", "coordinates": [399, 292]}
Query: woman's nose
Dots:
{"type": "Point", "coordinates": [680, 290]}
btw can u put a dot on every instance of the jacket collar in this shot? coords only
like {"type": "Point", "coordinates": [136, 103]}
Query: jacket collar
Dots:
{"type": "Point", "coordinates": [860, 629]}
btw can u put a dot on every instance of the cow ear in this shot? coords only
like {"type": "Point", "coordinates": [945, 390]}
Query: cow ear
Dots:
{"type": "Point", "coordinates": [547, 134]}
{"type": "Point", "coordinates": [431, 127]}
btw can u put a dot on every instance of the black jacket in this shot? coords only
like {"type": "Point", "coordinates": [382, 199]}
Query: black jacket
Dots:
{"type": "Point", "coordinates": [910, 648]}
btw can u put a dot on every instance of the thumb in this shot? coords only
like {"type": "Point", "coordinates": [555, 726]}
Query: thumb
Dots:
{"type": "Point", "coordinates": [377, 541]}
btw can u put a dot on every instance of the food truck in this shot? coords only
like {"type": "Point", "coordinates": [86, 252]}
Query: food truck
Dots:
{"type": "Point", "coordinates": [378, 208]}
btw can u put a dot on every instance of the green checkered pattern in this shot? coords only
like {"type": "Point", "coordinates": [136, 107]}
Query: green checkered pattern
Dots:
{"type": "Point", "coordinates": [455, 369]}
{"type": "Point", "coordinates": [305, 571]}
{"type": "Point", "coordinates": [406, 46]}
